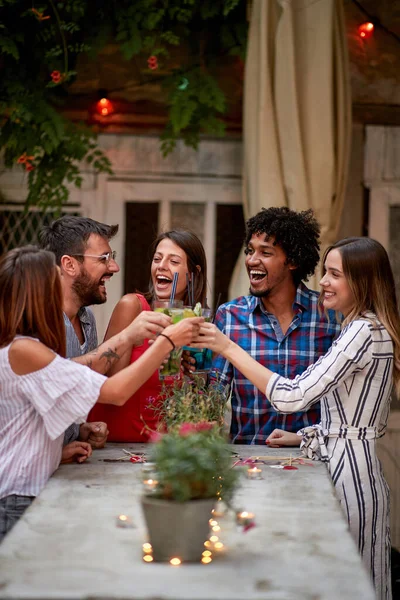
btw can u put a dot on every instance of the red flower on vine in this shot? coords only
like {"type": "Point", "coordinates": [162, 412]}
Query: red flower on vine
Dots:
{"type": "Point", "coordinates": [29, 167]}
{"type": "Point", "coordinates": [152, 62]}
{"type": "Point", "coordinates": [56, 76]}
{"type": "Point", "coordinates": [39, 15]}
{"type": "Point", "coordinates": [24, 159]}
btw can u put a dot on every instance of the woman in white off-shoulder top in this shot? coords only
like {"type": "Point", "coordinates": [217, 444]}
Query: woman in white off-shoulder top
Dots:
{"type": "Point", "coordinates": [42, 393]}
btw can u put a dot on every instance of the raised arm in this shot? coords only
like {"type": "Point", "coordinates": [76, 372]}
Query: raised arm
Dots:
{"type": "Point", "coordinates": [349, 353]}
{"type": "Point", "coordinates": [126, 311]}
{"type": "Point", "coordinates": [146, 325]}
{"type": "Point", "coordinates": [211, 337]}
{"type": "Point", "coordinates": [27, 356]}
{"type": "Point", "coordinates": [118, 388]}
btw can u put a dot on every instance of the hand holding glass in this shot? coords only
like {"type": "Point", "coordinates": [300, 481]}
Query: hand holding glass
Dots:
{"type": "Point", "coordinates": [174, 310]}
{"type": "Point", "coordinates": [202, 357]}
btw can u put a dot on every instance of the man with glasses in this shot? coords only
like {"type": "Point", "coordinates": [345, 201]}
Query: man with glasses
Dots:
{"type": "Point", "coordinates": [87, 262]}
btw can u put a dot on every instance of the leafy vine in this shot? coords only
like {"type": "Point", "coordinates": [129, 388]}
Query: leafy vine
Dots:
{"type": "Point", "coordinates": [40, 47]}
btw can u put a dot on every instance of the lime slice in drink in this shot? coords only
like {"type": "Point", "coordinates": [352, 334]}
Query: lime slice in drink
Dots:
{"type": "Point", "coordinates": [177, 315]}
{"type": "Point", "coordinates": [197, 310]}
{"type": "Point", "coordinates": [188, 312]}
{"type": "Point", "coordinates": [164, 311]}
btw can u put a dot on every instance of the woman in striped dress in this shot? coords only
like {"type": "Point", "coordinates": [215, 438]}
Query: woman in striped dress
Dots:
{"type": "Point", "coordinates": [353, 381]}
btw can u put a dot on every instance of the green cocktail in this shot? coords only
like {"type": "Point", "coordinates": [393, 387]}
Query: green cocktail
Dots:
{"type": "Point", "coordinates": [174, 310]}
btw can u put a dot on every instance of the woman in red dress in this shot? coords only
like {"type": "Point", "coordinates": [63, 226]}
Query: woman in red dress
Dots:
{"type": "Point", "coordinates": [176, 251]}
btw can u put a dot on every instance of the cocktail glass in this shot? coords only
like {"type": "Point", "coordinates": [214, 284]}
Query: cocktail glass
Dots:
{"type": "Point", "coordinates": [175, 310]}
{"type": "Point", "coordinates": [201, 356]}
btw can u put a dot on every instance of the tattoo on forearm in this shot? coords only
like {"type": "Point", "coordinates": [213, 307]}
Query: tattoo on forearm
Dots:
{"type": "Point", "coordinates": [111, 357]}
{"type": "Point", "coordinates": [92, 353]}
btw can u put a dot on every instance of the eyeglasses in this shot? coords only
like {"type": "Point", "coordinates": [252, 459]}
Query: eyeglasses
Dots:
{"type": "Point", "coordinates": [104, 258]}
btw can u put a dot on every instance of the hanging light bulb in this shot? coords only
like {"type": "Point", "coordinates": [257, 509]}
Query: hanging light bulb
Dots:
{"type": "Point", "coordinates": [365, 30]}
{"type": "Point", "coordinates": [104, 107]}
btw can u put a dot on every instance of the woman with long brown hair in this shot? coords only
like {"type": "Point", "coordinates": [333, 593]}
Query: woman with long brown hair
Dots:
{"type": "Point", "coordinates": [42, 393]}
{"type": "Point", "coordinates": [353, 381]}
{"type": "Point", "coordinates": [176, 251]}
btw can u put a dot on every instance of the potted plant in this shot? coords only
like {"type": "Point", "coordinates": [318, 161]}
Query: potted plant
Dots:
{"type": "Point", "coordinates": [193, 469]}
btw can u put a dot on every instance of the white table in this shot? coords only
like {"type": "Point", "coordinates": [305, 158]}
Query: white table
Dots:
{"type": "Point", "coordinates": [67, 545]}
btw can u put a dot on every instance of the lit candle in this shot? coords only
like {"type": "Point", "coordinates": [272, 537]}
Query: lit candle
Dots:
{"type": "Point", "coordinates": [254, 473]}
{"type": "Point", "coordinates": [244, 518]}
{"type": "Point", "coordinates": [150, 485]}
{"type": "Point", "coordinates": [148, 558]}
{"type": "Point", "coordinates": [124, 521]}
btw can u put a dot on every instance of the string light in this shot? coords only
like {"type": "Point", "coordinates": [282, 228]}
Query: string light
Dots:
{"type": "Point", "coordinates": [365, 30]}
{"type": "Point", "coordinates": [104, 107]}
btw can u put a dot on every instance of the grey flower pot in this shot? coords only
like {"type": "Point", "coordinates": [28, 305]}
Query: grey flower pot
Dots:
{"type": "Point", "coordinates": [177, 529]}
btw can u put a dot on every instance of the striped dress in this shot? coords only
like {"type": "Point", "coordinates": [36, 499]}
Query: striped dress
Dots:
{"type": "Point", "coordinates": [354, 382]}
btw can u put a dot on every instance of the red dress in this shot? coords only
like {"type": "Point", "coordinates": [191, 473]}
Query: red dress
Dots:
{"type": "Point", "coordinates": [136, 419]}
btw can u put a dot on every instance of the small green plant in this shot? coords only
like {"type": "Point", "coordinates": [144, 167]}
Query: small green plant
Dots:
{"type": "Point", "coordinates": [194, 462]}
{"type": "Point", "coordinates": [192, 402]}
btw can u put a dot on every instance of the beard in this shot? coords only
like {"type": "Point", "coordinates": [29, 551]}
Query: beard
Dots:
{"type": "Point", "coordinates": [260, 294]}
{"type": "Point", "coordinates": [87, 290]}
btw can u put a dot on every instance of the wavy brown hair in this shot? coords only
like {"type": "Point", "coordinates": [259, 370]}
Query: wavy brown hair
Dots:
{"type": "Point", "coordinates": [31, 298]}
{"type": "Point", "coordinates": [196, 257]}
{"type": "Point", "coordinates": [367, 269]}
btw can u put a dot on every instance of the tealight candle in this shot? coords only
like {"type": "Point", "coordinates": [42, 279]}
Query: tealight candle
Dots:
{"type": "Point", "coordinates": [254, 473]}
{"type": "Point", "coordinates": [244, 517]}
{"type": "Point", "coordinates": [124, 521]}
{"type": "Point", "coordinates": [147, 548]}
{"type": "Point", "coordinates": [150, 485]}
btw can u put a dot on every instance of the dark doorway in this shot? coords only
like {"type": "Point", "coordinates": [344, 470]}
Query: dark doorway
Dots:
{"type": "Point", "coordinates": [141, 220]}
{"type": "Point", "coordinates": [229, 242]}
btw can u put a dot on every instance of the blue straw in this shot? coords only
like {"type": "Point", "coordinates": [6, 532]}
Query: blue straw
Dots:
{"type": "Point", "coordinates": [174, 284]}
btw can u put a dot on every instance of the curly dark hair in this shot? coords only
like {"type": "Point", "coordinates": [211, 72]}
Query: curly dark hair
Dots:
{"type": "Point", "coordinates": [297, 233]}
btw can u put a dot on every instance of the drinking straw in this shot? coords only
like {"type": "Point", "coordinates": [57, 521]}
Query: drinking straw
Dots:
{"type": "Point", "coordinates": [188, 287]}
{"type": "Point", "coordinates": [192, 288]}
{"type": "Point", "coordinates": [216, 306]}
{"type": "Point", "coordinates": [174, 284]}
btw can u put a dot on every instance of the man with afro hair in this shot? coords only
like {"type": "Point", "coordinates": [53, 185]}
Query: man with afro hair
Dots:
{"type": "Point", "coordinates": [278, 323]}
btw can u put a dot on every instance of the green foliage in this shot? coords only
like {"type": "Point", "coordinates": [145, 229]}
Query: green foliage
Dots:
{"type": "Point", "coordinates": [40, 47]}
{"type": "Point", "coordinates": [192, 402]}
{"type": "Point", "coordinates": [193, 464]}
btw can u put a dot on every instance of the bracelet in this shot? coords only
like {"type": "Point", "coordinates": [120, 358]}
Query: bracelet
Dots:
{"type": "Point", "coordinates": [169, 339]}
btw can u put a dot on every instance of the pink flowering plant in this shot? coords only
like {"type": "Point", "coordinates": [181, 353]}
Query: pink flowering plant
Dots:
{"type": "Point", "coordinates": [193, 462]}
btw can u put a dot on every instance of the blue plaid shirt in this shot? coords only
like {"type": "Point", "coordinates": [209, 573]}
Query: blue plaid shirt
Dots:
{"type": "Point", "coordinates": [246, 322]}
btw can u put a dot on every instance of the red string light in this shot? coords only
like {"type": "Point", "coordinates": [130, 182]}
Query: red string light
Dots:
{"type": "Point", "coordinates": [365, 30]}
{"type": "Point", "coordinates": [104, 107]}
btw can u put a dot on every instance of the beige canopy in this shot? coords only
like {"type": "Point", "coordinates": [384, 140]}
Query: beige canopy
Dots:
{"type": "Point", "coordinates": [297, 113]}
